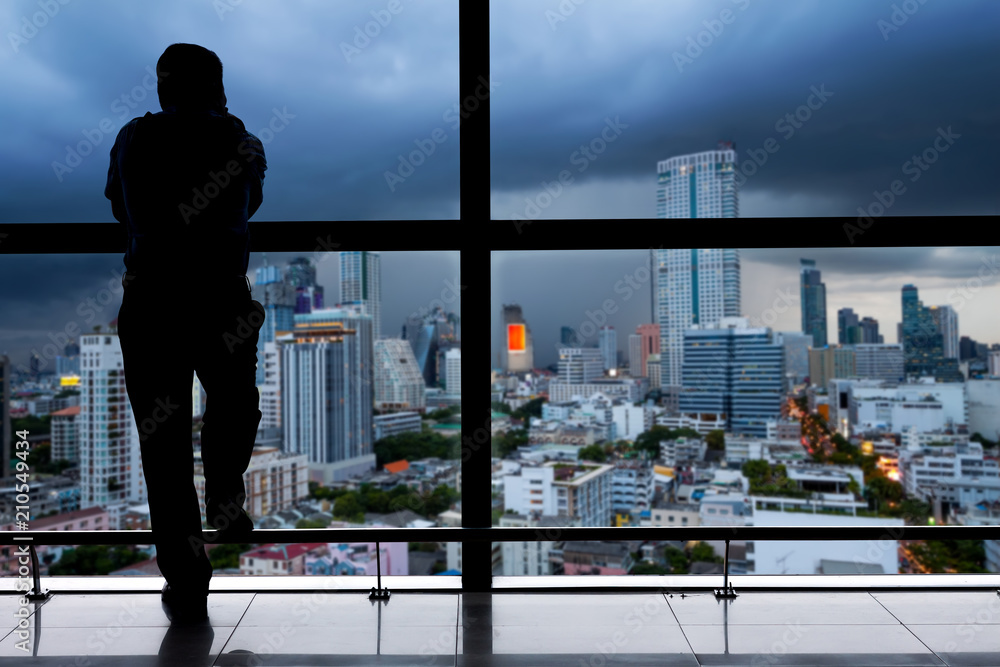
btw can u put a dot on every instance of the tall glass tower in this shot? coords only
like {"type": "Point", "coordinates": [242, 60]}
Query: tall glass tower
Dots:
{"type": "Point", "coordinates": [693, 287]}
{"type": "Point", "coordinates": [813, 299]}
{"type": "Point", "coordinates": [699, 185]}
{"type": "Point", "coordinates": [361, 284]}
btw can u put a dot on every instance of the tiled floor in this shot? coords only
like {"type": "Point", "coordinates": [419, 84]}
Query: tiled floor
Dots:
{"type": "Point", "coordinates": [573, 629]}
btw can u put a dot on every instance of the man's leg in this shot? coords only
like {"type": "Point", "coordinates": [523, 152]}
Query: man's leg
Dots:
{"type": "Point", "coordinates": [226, 366]}
{"type": "Point", "coordinates": [158, 379]}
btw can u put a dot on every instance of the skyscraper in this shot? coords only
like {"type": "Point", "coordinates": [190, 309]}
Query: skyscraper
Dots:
{"type": "Point", "coordinates": [277, 294]}
{"type": "Point", "coordinates": [734, 371]}
{"type": "Point", "coordinates": [110, 466]}
{"type": "Point", "coordinates": [518, 354]}
{"type": "Point", "coordinates": [813, 300]}
{"type": "Point", "coordinates": [946, 320]}
{"type": "Point", "coordinates": [608, 344]}
{"type": "Point", "coordinates": [848, 327]}
{"type": "Point", "coordinates": [399, 382]}
{"type": "Point", "coordinates": [308, 293]}
{"type": "Point", "coordinates": [923, 343]}
{"type": "Point", "coordinates": [699, 185]}
{"type": "Point", "coordinates": [696, 286]}
{"type": "Point", "coordinates": [327, 392]}
{"type": "Point", "coordinates": [361, 284]}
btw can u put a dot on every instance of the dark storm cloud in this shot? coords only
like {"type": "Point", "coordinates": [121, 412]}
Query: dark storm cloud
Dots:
{"type": "Point", "coordinates": [889, 93]}
{"type": "Point", "coordinates": [332, 123]}
{"type": "Point", "coordinates": [340, 119]}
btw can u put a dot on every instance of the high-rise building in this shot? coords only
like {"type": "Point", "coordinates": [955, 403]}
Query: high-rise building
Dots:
{"type": "Point", "coordinates": [946, 320]}
{"type": "Point", "coordinates": [108, 440]}
{"type": "Point", "coordinates": [699, 185]}
{"type": "Point", "coordinates": [308, 293]}
{"type": "Point", "coordinates": [361, 284]}
{"type": "Point", "coordinates": [848, 327]}
{"type": "Point", "coordinates": [399, 384]}
{"type": "Point", "coordinates": [430, 336]}
{"type": "Point", "coordinates": [568, 337]}
{"type": "Point", "coordinates": [796, 346]}
{"type": "Point", "coordinates": [578, 365]}
{"type": "Point", "coordinates": [65, 434]}
{"type": "Point", "coordinates": [923, 343]}
{"type": "Point", "coordinates": [518, 354]}
{"type": "Point", "coordinates": [879, 361]}
{"type": "Point", "coordinates": [733, 371]}
{"type": "Point", "coordinates": [453, 371]}
{"type": "Point", "coordinates": [608, 344]}
{"type": "Point", "coordinates": [693, 287]}
{"type": "Point", "coordinates": [813, 300]}
{"type": "Point", "coordinates": [831, 363]}
{"type": "Point", "coordinates": [869, 331]}
{"type": "Point", "coordinates": [278, 296]}
{"type": "Point", "coordinates": [649, 343]}
{"type": "Point", "coordinates": [327, 392]}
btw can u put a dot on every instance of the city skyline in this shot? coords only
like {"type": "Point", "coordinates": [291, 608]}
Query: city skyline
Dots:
{"type": "Point", "coordinates": [584, 289]}
{"type": "Point", "coordinates": [77, 292]}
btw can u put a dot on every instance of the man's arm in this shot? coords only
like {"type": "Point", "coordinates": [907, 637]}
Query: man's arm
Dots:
{"type": "Point", "coordinates": [113, 189]}
{"type": "Point", "coordinates": [252, 151]}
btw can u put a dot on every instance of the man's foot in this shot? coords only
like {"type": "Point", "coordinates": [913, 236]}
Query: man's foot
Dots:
{"type": "Point", "coordinates": [229, 518]}
{"type": "Point", "coordinates": [184, 606]}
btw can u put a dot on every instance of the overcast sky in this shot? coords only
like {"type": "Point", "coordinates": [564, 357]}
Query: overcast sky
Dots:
{"type": "Point", "coordinates": [677, 76]}
{"type": "Point", "coordinates": [571, 288]}
{"type": "Point", "coordinates": [334, 113]}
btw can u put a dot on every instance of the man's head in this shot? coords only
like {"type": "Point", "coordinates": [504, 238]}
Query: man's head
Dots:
{"type": "Point", "coordinates": [190, 76]}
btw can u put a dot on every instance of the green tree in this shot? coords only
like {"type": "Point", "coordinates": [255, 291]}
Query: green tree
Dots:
{"type": "Point", "coordinates": [532, 408]}
{"type": "Point", "coordinates": [704, 553]}
{"type": "Point", "coordinates": [505, 442]}
{"type": "Point", "coordinates": [227, 556]}
{"type": "Point", "coordinates": [500, 406]}
{"type": "Point", "coordinates": [310, 523]}
{"type": "Point", "coordinates": [716, 439]}
{"type": "Point", "coordinates": [95, 559]}
{"type": "Point", "coordinates": [593, 453]}
{"type": "Point", "coordinates": [648, 568]}
{"type": "Point", "coordinates": [348, 508]}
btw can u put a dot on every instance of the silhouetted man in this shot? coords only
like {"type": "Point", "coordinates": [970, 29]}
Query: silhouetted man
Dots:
{"type": "Point", "coordinates": [184, 183]}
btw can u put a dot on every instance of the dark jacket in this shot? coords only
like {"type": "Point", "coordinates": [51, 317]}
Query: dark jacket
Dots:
{"type": "Point", "coordinates": [184, 184]}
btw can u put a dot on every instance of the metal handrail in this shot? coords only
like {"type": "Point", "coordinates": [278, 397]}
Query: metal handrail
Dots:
{"type": "Point", "coordinates": [517, 534]}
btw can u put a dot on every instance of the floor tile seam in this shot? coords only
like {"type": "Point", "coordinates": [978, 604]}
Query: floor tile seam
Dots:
{"type": "Point", "coordinates": [235, 626]}
{"type": "Point", "coordinates": [687, 641]}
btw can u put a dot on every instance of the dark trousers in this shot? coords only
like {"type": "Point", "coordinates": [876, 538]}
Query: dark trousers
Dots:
{"type": "Point", "coordinates": [168, 332]}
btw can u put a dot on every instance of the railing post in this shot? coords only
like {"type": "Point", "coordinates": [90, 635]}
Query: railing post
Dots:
{"type": "Point", "coordinates": [37, 593]}
{"type": "Point", "coordinates": [378, 593]}
{"type": "Point", "coordinates": [727, 592]}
